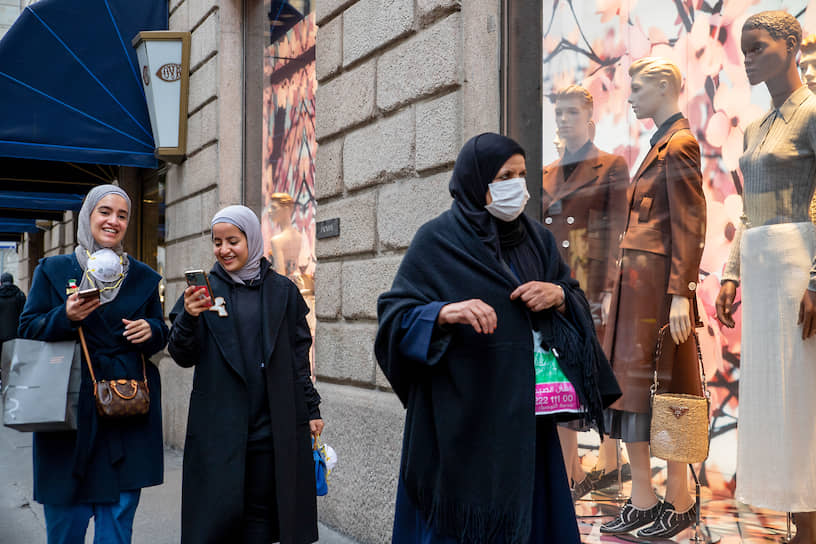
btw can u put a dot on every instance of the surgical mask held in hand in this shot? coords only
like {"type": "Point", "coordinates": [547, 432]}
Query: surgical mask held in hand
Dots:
{"type": "Point", "coordinates": [105, 265]}
{"type": "Point", "coordinates": [509, 198]}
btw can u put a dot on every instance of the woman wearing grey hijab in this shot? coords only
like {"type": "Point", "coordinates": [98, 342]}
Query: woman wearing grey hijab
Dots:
{"type": "Point", "coordinates": [99, 470]}
{"type": "Point", "coordinates": [248, 469]}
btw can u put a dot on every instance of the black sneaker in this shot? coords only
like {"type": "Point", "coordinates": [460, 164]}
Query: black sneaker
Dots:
{"type": "Point", "coordinates": [669, 523]}
{"type": "Point", "coordinates": [631, 518]}
{"type": "Point", "coordinates": [582, 488]}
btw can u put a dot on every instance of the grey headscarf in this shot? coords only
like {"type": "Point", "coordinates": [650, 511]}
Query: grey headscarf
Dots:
{"type": "Point", "coordinates": [87, 246]}
{"type": "Point", "coordinates": [246, 220]}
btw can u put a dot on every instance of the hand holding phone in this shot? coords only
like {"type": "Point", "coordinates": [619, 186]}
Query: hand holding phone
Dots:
{"type": "Point", "coordinates": [79, 307]}
{"type": "Point", "coordinates": [198, 295]}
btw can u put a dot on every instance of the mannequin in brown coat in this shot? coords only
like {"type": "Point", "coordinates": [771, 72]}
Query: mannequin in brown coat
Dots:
{"type": "Point", "coordinates": [583, 201]}
{"type": "Point", "coordinates": [661, 249]}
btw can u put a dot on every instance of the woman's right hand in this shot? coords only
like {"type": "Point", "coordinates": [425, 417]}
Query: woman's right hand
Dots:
{"type": "Point", "coordinates": [195, 300]}
{"type": "Point", "coordinates": [474, 312]}
{"type": "Point", "coordinates": [725, 303]}
{"type": "Point", "coordinates": [78, 309]}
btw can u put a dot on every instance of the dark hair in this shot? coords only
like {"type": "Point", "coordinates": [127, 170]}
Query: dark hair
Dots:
{"type": "Point", "coordinates": [6, 278]}
{"type": "Point", "coordinates": [779, 24]}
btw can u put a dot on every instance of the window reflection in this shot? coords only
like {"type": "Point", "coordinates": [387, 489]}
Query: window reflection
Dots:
{"type": "Point", "coordinates": [289, 143]}
{"type": "Point", "coordinates": [593, 44]}
{"type": "Point", "coordinates": [152, 229]}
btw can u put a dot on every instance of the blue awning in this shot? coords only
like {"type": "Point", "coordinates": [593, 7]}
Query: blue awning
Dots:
{"type": "Point", "coordinates": [71, 104]}
{"type": "Point", "coordinates": [40, 201]}
{"type": "Point", "coordinates": [282, 17]}
{"type": "Point", "coordinates": [13, 226]}
{"type": "Point", "coordinates": [70, 84]}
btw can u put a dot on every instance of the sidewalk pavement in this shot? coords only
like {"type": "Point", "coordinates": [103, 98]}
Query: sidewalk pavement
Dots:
{"type": "Point", "coordinates": [157, 519]}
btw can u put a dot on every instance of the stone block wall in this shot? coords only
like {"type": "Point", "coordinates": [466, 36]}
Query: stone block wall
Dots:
{"type": "Point", "coordinates": [401, 85]}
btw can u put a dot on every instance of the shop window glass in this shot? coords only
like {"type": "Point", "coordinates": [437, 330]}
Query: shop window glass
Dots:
{"type": "Point", "coordinates": [152, 225]}
{"type": "Point", "coordinates": [592, 44]}
{"type": "Point", "coordinates": [289, 143]}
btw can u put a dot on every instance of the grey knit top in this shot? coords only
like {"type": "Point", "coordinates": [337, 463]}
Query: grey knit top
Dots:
{"type": "Point", "coordinates": [779, 171]}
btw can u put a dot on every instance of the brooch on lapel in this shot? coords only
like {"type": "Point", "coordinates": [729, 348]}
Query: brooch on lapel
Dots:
{"type": "Point", "coordinates": [220, 307]}
{"type": "Point", "coordinates": [72, 287]}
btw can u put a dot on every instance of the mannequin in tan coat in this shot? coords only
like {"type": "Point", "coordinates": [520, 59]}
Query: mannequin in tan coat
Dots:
{"type": "Point", "coordinates": [661, 248]}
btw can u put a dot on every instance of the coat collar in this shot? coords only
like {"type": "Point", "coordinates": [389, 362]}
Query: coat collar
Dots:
{"type": "Point", "coordinates": [556, 187]}
{"type": "Point", "coordinates": [139, 284]}
{"type": "Point", "coordinates": [789, 107]}
{"type": "Point", "coordinates": [274, 305]}
{"type": "Point", "coordinates": [655, 150]}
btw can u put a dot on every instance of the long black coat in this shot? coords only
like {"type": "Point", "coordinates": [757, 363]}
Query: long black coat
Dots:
{"type": "Point", "coordinates": [218, 422]}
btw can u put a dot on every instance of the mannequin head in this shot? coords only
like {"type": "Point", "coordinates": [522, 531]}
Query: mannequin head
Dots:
{"type": "Point", "coordinates": [656, 84]}
{"type": "Point", "coordinates": [281, 208]}
{"type": "Point", "coordinates": [770, 41]}
{"type": "Point", "coordinates": [573, 116]}
{"type": "Point", "coordinates": [807, 62]}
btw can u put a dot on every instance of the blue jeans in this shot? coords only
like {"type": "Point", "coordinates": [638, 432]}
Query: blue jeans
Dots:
{"type": "Point", "coordinates": [113, 521]}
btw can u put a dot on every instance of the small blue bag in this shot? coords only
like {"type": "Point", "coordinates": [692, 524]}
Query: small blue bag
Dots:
{"type": "Point", "coordinates": [321, 472]}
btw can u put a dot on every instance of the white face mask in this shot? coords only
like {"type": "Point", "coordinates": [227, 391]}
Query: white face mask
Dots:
{"type": "Point", "coordinates": [509, 198]}
{"type": "Point", "coordinates": [105, 265]}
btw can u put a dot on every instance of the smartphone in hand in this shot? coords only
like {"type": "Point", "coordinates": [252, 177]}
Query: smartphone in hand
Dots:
{"type": "Point", "coordinates": [198, 278]}
{"type": "Point", "coordinates": [88, 294]}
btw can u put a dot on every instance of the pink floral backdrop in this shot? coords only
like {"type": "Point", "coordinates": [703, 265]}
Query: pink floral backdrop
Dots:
{"type": "Point", "coordinates": [289, 143]}
{"type": "Point", "coordinates": [593, 43]}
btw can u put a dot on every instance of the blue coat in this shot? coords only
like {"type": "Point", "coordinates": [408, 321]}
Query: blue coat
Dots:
{"type": "Point", "coordinates": [101, 458]}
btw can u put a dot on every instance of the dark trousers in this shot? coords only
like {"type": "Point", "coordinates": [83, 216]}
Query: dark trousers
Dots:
{"type": "Point", "coordinates": [260, 498]}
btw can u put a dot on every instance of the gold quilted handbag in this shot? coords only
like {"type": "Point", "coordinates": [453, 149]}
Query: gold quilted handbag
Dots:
{"type": "Point", "coordinates": [679, 430]}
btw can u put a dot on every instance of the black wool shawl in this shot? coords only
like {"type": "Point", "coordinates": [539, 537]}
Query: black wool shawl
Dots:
{"type": "Point", "coordinates": [468, 457]}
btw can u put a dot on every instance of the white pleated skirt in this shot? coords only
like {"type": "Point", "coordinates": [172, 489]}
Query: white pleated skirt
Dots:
{"type": "Point", "coordinates": [776, 437]}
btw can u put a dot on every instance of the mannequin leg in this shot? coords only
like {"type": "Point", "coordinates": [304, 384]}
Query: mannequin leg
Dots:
{"type": "Point", "coordinates": [805, 528]}
{"type": "Point", "coordinates": [644, 507]}
{"type": "Point", "coordinates": [569, 448]}
{"type": "Point", "coordinates": [580, 482]}
{"type": "Point", "coordinates": [608, 457]}
{"type": "Point", "coordinates": [678, 510]}
{"type": "Point", "coordinates": [643, 496]}
{"type": "Point", "coordinates": [677, 492]}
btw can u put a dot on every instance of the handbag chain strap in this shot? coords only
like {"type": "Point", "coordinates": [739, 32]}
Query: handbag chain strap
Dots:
{"type": "Point", "coordinates": [88, 359]}
{"type": "Point", "coordinates": [659, 352]}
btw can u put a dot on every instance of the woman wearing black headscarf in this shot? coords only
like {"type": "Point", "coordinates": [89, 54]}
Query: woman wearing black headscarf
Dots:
{"type": "Point", "coordinates": [456, 343]}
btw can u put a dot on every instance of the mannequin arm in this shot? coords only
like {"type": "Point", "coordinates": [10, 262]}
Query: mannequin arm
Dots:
{"type": "Point", "coordinates": [725, 303]}
{"type": "Point", "coordinates": [807, 314]}
{"type": "Point", "coordinates": [680, 319]}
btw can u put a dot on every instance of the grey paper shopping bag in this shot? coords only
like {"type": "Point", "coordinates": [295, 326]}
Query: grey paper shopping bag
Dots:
{"type": "Point", "coordinates": [40, 385]}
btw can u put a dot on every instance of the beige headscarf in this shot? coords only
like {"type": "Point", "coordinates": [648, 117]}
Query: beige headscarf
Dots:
{"type": "Point", "coordinates": [246, 220]}
{"type": "Point", "coordinates": [87, 246]}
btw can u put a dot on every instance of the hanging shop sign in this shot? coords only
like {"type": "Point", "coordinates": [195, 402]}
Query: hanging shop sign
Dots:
{"type": "Point", "coordinates": [164, 62]}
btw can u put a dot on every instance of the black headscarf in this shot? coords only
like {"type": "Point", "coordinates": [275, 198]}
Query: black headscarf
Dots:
{"type": "Point", "coordinates": [478, 162]}
{"type": "Point", "coordinates": [468, 458]}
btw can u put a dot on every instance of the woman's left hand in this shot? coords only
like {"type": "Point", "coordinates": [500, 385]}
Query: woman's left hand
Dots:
{"type": "Point", "coordinates": [539, 295]}
{"type": "Point", "coordinates": [138, 331]}
{"type": "Point", "coordinates": [316, 427]}
{"type": "Point", "coordinates": [807, 314]}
